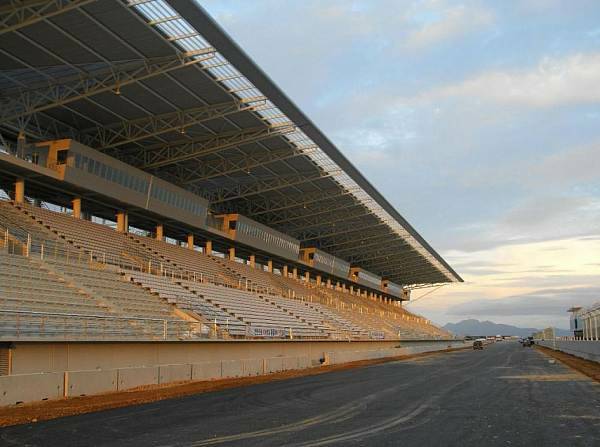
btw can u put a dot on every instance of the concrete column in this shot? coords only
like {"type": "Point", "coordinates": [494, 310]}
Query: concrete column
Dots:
{"type": "Point", "coordinates": [337, 285]}
{"type": "Point", "coordinates": [318, 280]}
{"type": "Point", "coordinates": [307, 277]}
{"type": "Point", "coordinates": [208, 248]}
{"type": "Point", "coordinates": [20, 190]}
{"type": "Point", "coordinates": [329, 283]}
{"type": "Point", "coordinates": [295, 273]}
{"type": "Point", "coordinates": [122, 222]}
{"type": "Point", "coordinates": [76, 205]}
{"type": "Point", "coordinates": [252, 261]}
{"type": "Point", "coordinates": [351, 289]}
{"type": "Point", "coordinates": [232, 253]}
{"type": "Point", "coordinates": [270, 266]}
{"type": "Point", "coordinates": [190, 241]}
{"type": "Point", "coordinates": [343, 287]}
{"type": "Point", "coordinates": [159, 232]}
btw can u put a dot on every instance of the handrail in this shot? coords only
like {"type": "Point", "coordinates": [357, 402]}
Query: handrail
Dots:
{"type": "Point", "coordinates": [58, 314]}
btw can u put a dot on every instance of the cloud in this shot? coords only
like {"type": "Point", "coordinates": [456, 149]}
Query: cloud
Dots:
{"type": "Point", "coordinates": [552, 302]}
{"type": "Point", "coordinates": [579, 164]}
{"type": "Point", "coordinates": [449, 23]}
{"type": "Point", "coordinates": [553, 82]}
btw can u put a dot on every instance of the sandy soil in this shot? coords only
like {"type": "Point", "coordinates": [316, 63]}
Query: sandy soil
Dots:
{"type": "Point", "coordinates": [587, 367]}
{"type": "Point", "coordinates": [52, 409]}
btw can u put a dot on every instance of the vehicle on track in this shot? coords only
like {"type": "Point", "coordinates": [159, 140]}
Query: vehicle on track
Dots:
{"type": "Point", "coordinates": [477, 344]}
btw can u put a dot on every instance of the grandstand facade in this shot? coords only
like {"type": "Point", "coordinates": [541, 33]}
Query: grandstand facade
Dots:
{"type": "Point", "coordinates": [158, 186]}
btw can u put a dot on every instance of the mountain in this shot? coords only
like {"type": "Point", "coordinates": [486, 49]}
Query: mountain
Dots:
{"type": "Point", "coordinates": [476, 327]}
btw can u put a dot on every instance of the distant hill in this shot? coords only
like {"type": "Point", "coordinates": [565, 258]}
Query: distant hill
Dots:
{"type": "Point", "coordinates": [476, 327]}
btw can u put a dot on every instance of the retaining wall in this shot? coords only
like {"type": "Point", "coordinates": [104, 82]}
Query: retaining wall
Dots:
{"type": "Point", "coordinates": [586, 349]}
{"type": "Point", "coordinates": [37, 386]}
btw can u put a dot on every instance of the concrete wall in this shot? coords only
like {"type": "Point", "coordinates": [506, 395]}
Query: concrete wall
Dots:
{"type": "Point", "coordinates": [585, 349]}
{"type": "Point", "coordinates": [126, 368]}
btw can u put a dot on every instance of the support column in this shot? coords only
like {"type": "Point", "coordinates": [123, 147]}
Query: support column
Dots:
{"type": "Point", "coordinates": [285, 271]}
{"type": "Point", "coordinates": [252, 261]}
{"type": "Point", "coordinates": [232, 253]}
{"type": "Point", "coordinates": [122, 222]}
{"type": "Point", "coordinates": [318, 280]}
{"type": "Point", "coordinates": [329, 283]}
{"type": "Point", "coordinates": [159, 232]}
{"type": "Point", "coordinates": [307, 277]}
{"type": "Point", "coordinates": [343, 287]}
{"type": "Point", "coordinates": [270, 266]}
{"type": "Point", "coordinates": [190, 241]}
{"type": "Point", "coordinates": [295, 273]}
{"type": "Point", "coordinates": [351, 289]}
{"type": "Point", "coordinates": [208, 248]}
{"type": "Point", "coordinates": [20, 190]}
{"type": "Point", "coordinates": [337, 285]}
{"type": "Point", "coordinates": [76, 205]}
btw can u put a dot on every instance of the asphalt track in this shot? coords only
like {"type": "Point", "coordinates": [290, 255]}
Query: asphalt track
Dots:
{"type": "Point", "coordinates": [505, 395]}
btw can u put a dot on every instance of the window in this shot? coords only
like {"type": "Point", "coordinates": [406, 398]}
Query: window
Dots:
{"type": "Point", "coordinates": [78, 161]}
{"type": "Point", "coordinates": [61, 157]}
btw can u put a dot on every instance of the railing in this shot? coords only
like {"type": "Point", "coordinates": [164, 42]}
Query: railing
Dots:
{"type": "Point", "coordinates": [23, 325]}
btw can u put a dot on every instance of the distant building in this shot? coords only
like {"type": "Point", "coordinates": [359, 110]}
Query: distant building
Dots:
{"type": "Point", "coordinates": [585, 322]}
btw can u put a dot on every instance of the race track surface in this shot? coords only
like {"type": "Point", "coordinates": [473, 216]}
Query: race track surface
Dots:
{"type": "Point", "coordinates": [505, 395]}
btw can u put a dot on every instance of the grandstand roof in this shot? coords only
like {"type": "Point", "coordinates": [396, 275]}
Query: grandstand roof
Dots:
{"type": "Point", "coordinates": [160, 85]}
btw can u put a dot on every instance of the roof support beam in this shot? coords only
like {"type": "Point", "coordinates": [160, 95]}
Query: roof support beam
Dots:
{"type": "Point", "coordinates": [79, 86]}
{"type": "Point", "coordinates": [313, 212]}
{"type": "Point", "coordinates": [164, 155]}
{"type": "Point", "coordinates": [387, 241]}
{"type": "Point", "coordinates": [367, 236]}
{"type": "Point", "coordinates": [260, 187]}
{"type": "Point", "coordinates": [263, 206]}
{"type": "Point", "coordinates": [245, 162]}
{"type": "Point", "coordinates": [17, 14]}
{"type": "Point", "coordinates": [339, 217]}
{"type": "Point", "coordinates": [317, 236]}
{"type": "Point", "coordinates": [126, 132]}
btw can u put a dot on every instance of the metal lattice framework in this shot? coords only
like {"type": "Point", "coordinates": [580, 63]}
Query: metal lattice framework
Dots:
{"type": "Point", "coordinates": [158, 84]}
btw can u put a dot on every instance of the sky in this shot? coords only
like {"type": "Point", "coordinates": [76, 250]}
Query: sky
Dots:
{"type": "Point", "coordinates": [479, 121]}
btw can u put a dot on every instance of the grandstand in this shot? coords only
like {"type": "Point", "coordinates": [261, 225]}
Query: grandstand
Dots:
{"type": "Point", "coordinates": [159, 187]}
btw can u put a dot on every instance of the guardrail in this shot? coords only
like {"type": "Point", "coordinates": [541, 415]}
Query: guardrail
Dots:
{"type": "Point", "coordinates": [23, 325]}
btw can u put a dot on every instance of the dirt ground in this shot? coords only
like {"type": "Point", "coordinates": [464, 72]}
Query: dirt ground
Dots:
{"type": "Point", "coordinates": [52, 409]}
{"type": "Point", "coordinates": [587, 367]}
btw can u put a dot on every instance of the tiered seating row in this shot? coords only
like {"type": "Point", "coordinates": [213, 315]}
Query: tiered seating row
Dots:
{"type": "Point", "coordinates": [184, 298]}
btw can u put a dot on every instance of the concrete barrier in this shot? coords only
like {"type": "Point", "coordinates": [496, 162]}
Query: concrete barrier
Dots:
{"type": "Point", "coordinates": [83, 383]}
{"type": "Point", "coordinates": [274, 365]}
{"type": "Point", "coordinates": [206, 370]}
{"type": "Point", "coordinates": [31, 387]}
{"type": "Point", "coordinates": [289, 363]}
{"type": "Point", "coordinates": [39, 386]}
{"type": "Point", "coordinates": [585, 349]}
{"type": "Point", "coordinates": [304, 362]}
{"type": "Point", "coordinates": [253, 367]}
{"type": "Point", "coordinates": [232, 368]}
{"type": "Point", "coordinates": [174, 373]}
{"type": "Point", "coordinates": [134, 377]}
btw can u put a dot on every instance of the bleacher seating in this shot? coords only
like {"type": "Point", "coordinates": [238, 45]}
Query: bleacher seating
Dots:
{"type": "Point", "coordinates": [254, 310]}
{"type": "Point", "coordinates": [174, 292]}
{"type": "Point", "coordinates": [129, 275]}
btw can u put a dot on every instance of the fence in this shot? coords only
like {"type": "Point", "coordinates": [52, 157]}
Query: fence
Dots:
{"type": "Point", "coordinates": [24, 325]}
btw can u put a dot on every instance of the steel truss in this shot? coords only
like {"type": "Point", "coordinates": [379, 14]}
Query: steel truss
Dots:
{"type": "Point", "coordinates": [130, 131]}
{"type": "Point", "coordinates": [17, 14]}
{"type": "Point", "coordinates": [111, 77]}
{"type": "Point", "coordinates": [244, 162]}
{"type": "Point", "coordinates": [353, 229]}
{"type": "Point", "coordinates": [161, 155]}
{"type": "Point", "coordinates": [262, 186]}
